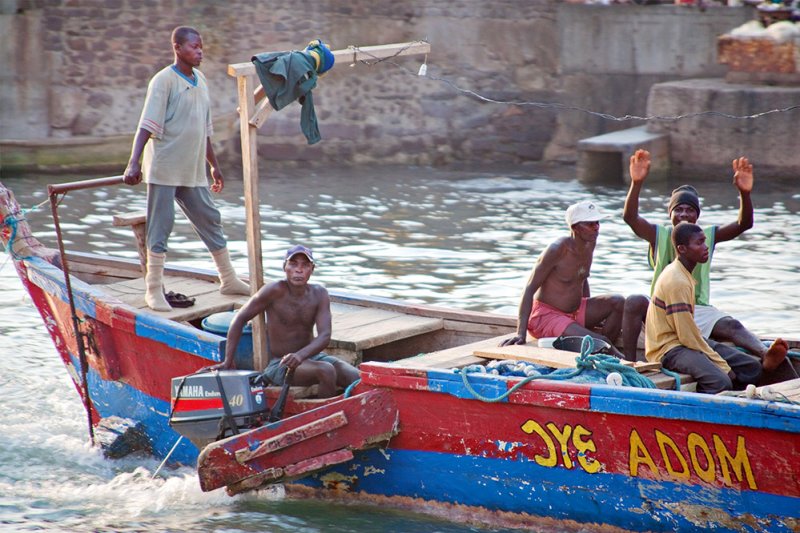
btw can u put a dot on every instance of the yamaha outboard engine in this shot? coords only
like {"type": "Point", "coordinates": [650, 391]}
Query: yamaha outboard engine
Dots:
{"type": "Point", "coordinates": [212, 405]}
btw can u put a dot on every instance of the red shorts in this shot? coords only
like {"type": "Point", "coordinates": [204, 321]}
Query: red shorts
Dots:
{"type": "Point", "coordinates": [547, 321]}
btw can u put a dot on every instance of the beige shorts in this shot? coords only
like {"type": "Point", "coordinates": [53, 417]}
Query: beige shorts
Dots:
{"type": "Point", "coordinates": [706, 316]}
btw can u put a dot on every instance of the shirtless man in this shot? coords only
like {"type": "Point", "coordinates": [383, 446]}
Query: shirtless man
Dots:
{"type": "Point", "coordinates": [684, 205]}
{"type": "Point", "coordinates": [293, 307]}
{"type": "Point", "coordinates": [556, 300]}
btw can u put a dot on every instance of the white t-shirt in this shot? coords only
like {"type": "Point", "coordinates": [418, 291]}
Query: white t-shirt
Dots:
{"type": "Point", "coordinates": [177, 114]}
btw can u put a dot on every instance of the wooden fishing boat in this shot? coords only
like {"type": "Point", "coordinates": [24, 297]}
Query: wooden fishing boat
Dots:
{"type": "Point", "coordinates": [419, 429]}
{"type": "Point", "coordinates": [472, 445]}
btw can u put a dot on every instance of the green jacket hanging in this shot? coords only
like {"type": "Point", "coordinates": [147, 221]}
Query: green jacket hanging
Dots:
{"type": "Point", "coordinates": [290, 76]}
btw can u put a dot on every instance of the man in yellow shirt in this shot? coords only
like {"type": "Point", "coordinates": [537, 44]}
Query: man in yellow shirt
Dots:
{"type": "Point", "coordinates": [673, 338]}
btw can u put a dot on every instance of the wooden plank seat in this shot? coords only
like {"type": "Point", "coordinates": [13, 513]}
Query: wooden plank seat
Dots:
{"type": "Point", "coordinates": [549, 357]}
{"type": "Point", "coordinates": [137, 221]}
{"type": "Point", "coordinates": [208, 299]}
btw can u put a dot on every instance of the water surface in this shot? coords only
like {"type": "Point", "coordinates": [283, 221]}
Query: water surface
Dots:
{"type": "Point", "coordinates": [457, 239]}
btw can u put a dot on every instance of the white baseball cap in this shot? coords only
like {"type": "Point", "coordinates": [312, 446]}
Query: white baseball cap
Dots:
{"type": "Point", "coordinates": [585, 211]}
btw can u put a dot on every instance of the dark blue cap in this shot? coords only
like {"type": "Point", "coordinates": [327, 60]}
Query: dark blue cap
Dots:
{"type": "Point", "coordinates": [299, 249]}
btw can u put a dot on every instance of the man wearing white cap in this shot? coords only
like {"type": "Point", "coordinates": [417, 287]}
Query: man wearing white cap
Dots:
{"type": "Point", "coordinates": [556, 300]}
{"type": "Point", "coordinates": [294, 307]}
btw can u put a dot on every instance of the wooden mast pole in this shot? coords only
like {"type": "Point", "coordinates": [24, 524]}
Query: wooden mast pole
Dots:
{"type": "Point", "coordinates": [249, 136]}
{"type": "Point", "coordinates": [254, 109]}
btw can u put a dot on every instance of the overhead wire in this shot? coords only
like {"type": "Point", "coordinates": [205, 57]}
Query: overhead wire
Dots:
{"type": "Point", "coordinates": [552, 105]}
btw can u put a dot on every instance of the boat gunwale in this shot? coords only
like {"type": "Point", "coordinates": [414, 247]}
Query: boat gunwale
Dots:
{"type": "Point", "coordinates": [600, 398]}
{"type": "Point", "coordinates": [98, 304]}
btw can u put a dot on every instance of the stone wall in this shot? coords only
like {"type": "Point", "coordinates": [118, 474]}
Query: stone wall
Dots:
{"type": "Point", "coordinates": [610, 57]}
{"type": "Point", "coordinates": [79, 69]}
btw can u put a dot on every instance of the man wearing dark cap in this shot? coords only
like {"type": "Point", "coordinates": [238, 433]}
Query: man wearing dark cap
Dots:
{"type": "Point", "coordinates": [557, 300]}
{"type": "Point", "coordinates": [294, 307]}
{"type": "Point", "coordinates": [684, 205]}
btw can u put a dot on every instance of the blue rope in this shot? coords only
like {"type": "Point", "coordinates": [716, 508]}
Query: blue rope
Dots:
{"type": "Point", "coordinates": [12, 221]}
{"type": "Point", "coordinates": [673, 375]}
{"type": "Point", "coordinates": [605, 364]}
{"type": "Point", "coordinates": [350, 388]}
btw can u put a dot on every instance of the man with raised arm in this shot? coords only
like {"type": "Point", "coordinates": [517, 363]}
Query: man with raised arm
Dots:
{"type": "Point", "coordinates": [557, 300]}
{"type": "Point", "coordinates": [684, 206]}
{"type": "Point", "coordinates": [293, 307]}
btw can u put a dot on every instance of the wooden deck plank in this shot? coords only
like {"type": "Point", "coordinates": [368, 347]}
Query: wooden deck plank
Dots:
{"type": "Point", "coordinates": [129, 219]}
{"type": "Point", "coordinates": [359, 317]}
{"type": "Point", "coordinates": [357, 328]}
{"type": "Point", "coordinates": [374, 333]}
{"type": "Point", "coordinates": [533, 354]}
{"type": "Point", "coordinates": [457, 356]}
{"type": "Point", "coordinates": [208, 299]}
{"type": "Point", "coordinates": [185, 285]}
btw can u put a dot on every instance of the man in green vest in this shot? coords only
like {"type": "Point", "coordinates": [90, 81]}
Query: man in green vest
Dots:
{"type": "Point", "coordinates": [684, 205]}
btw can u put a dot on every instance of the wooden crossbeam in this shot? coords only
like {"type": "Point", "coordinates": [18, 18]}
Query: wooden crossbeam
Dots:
{"type": "Point", "coordinates": [352, 54]}
{"type": "Point", "coordinates": [262, 112]}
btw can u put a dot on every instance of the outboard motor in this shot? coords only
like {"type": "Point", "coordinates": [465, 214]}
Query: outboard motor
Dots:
{"type": "Point", "coordinates": [212, 405]}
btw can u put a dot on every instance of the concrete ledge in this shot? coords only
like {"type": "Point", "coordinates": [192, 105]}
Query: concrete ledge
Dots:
{"type": "Point", "coordinates": [703, 144]}
{"type": "Point", "coordinates": [605, 157]}
{"type": "Point", "coordinates": [74, 154]}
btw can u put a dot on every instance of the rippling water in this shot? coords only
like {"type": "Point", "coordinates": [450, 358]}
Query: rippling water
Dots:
{"type": "Point", "coordinates": [458, 239]}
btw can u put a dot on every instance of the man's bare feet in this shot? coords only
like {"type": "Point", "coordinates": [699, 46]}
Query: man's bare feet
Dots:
{"type": "Point", "coordinates": [775, 355]}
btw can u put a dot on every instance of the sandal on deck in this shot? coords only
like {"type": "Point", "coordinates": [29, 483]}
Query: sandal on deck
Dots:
{"type": "Point", "coordinates": [176, 299]}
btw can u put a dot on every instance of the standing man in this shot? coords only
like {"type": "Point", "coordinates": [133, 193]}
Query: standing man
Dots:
{"type": "Point", "coordinates": [293, 307]}
{"type": "Point", "coordinates": [684, 206]}
{"type": "Point", "coordinates": [174, 134]}
{"type": "Point", "coordinates": [557, 299]}
{"type": "Point", "coordinates": [672, 336]}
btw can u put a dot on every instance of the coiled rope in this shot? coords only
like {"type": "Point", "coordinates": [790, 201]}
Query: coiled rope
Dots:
{"type": "Point", "coordinates": [605, 364]}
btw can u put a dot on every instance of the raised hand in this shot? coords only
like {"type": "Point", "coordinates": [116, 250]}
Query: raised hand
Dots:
{"type": "Point", "coordinates": [743, 174]}
{"type": "Point", "coordinates": [639, 165]}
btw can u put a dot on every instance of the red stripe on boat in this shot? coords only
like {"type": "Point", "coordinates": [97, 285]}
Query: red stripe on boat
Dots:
{"type": "Point", "coordinates": [197, 404]}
